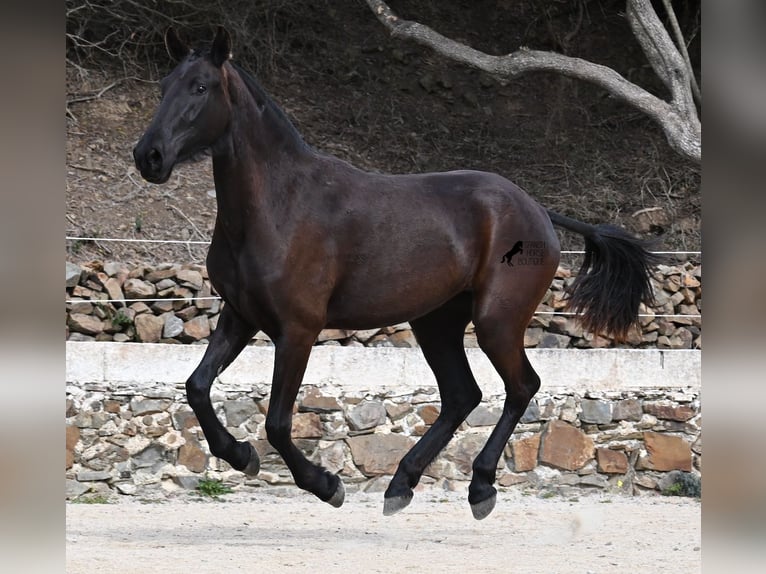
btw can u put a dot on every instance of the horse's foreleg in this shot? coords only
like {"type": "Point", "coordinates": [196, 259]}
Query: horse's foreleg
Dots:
{"type": "Point", "coordinates": [291, 357]}
{"type": "Point", "coordinates": [440, 335]}
{"type": "Point", "coordinates": [227, 341]}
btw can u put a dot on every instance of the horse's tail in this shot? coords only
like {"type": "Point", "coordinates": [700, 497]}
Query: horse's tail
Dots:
{"type": "Point", "coordinates": [613, 279]}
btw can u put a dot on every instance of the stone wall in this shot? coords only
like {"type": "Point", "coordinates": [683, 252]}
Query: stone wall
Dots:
{"type": "Point", "coordinates": [185, 312]}
{"type": "Point", "coordinates": [134, 434]}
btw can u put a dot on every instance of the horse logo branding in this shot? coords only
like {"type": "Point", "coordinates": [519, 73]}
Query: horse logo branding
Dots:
{"type": "Point", "coordinates": [529, 253]}
{"type": "Point", "coordinates": [518, 247]}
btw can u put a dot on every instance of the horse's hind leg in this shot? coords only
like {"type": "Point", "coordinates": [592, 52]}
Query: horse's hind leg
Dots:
{"type": "Point", "coordinates": [227, 341]}
{"type": "Point", "coordinates": [501, 338]}
{"type": "Point", "coordinates": [440, 335]}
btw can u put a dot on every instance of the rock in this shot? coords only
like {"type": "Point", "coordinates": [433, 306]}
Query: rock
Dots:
{"type": "Point", "coordinates": [366, 415]}
{"type": "Point", "coordinates": [93, 475]}
{"type": "Point", "coordinates": [681, 339]}
{"type": "Point", "coordinates": [333, 335]}
{"type": "Point", "coordinates": [332, 455]}
{"type": "Point", "coordinates": [72, 438]}
{"type": "Point", "coordinates": [306, 425]}
{"type": "Point", "coordinates": [81, 306]}
{"type": "Point", "coordinates": [429, 413]}
{"type": "Point", "coordinates": [666, 452]}
{"type": "Point", "coordinates": [191, 454]}
{"type": "Point", "coordinates": [162, 307]}
{"type": "Point", "coordinates": [525, 452]}
{"type": "Point", "coordinates": [563, 446]}
{"type": "Point", "coordinates": [510, 479]}
{"type": "Point", "coordinates": [365, 335]}
{"type": "Point", "coordinates": [463, 450]}
{"type": "Point", "coordinates": [127, 488]}
{"type": "Point", "coordinates": [190, 278]}
{"type": "Point", "coordinates": [611, 461]}
{"type": "Point", "coordinates": [114, 290]}
{"type": "Point", "coordinates": [379, 341]}
{"type": "Point", "coordinates": [138, 289]}
{"type": "Point", "coordinates": [481, 416]}
{"type": "Point", "coordinates": [172, 327]}
{"type": "Point", "coordinates": [554, 341]}
{"type": "Point", "coordinates": [376, 454]}
{"type": "Point", "coordinates": [531, 413]}
{"type": "Point", "coordinates": [187, 481]}
{"type": "Point", "coordinates": [314, 401]}
{"type": "Point", "coordinates": [73, 274]}
{"type": "Point", "coordinates": [85, 324]}
{"type": "Point", "coordinates": [75, 489]}
{"type": "Point", "coordinates": [403, 339]}
{"type": "Point", "coordinates": [596, 411]}
{"type": "Point", "coordinates": [627, 410]}
{"type": "Point", "coordinates": [669, 411]}
{"type": "Point", "coordinates": [203, 303]}
{"type": "Point", "coordinates": [187, 313]}
{"type": "Point", "coordinates": [239, 412]}
{"type": "Point", "coordinates": [196, 329]}
{"type": "Point", "coordinates": [593, 480]}
{"type": "Point", "coordinates": [397, 411]}
{"type": "Point", "coordinates": [533, 336]}
{"type": "Point", "coordinates": [148, 328]}
{"type": "Point", "coordinates": [141, 407]}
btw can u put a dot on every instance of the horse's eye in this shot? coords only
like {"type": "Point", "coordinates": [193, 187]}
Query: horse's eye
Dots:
{"type": "Point", "coordinates": [201, 89]}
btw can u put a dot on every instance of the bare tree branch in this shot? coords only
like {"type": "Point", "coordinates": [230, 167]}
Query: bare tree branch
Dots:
{"type": "Point", "coordinates": [678, 118]}
{"type": "Point", "coordinates": [682, 48]}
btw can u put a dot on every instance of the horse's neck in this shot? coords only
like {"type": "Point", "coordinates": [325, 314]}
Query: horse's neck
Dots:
{"type": "Point", "coordinates": [250, 165]}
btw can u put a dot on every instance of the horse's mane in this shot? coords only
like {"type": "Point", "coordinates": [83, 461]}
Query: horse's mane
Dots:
{"type": "Point", "coordinates": [263, 100]}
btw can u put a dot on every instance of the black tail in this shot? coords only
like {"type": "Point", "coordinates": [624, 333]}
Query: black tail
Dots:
{"type": "Point", "coordinates": [613, 279]}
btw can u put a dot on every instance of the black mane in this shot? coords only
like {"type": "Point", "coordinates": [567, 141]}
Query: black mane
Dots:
{"type": "Point", "coordinates": [265, 101]}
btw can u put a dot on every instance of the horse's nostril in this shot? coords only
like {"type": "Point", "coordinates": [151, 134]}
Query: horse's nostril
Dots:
{"type": "Point", "coordinates": [154, 156]}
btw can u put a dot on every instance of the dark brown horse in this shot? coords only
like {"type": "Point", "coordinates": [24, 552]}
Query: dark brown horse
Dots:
{"type": "Point", "coordinates": [304, 241]}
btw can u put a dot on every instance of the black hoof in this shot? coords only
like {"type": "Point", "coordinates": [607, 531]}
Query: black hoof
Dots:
{"type": "Point", "coordinates": [254, 464]}
{"type": "Point", "coordinates": [393, 504]}
{"type": "Point", "coordinates": [337, 499]}
{"type": "Point", "coordinates": [483, 509]}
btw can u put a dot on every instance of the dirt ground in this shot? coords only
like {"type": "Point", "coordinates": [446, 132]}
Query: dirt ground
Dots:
{"type": "Point", "coordinates": [588, 533]}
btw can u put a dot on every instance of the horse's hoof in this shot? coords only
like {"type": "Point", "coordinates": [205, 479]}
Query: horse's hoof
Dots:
{"type": "Point", "coordinates": [482, 509]}
{"type": "Point", "coordinates": [254, 464]}
{"type": "Point", "coordinates": [337, 499]}
{"type": "Point", "coordinates": [394, 504]}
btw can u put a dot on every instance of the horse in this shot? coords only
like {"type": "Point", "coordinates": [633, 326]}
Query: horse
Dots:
{"type": "Point", "coordinates": [305, 241]}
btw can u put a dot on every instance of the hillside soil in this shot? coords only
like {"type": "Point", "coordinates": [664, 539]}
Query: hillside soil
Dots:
{"type": "Point", "coordinates": [390, 106]}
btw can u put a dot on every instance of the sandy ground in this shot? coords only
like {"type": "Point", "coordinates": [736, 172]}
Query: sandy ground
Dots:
{"type": "Point", "coordinates": [592, 533]}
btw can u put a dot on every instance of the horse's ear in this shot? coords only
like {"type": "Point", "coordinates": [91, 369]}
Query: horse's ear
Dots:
{"type": "Point", "coordinates": [221, 50]}
{"type": "Point", "coordinates": [176, 47]}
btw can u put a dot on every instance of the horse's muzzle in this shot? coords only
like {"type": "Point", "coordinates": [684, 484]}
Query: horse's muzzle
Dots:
{"type": "Point", "coordinates": [150, 161]}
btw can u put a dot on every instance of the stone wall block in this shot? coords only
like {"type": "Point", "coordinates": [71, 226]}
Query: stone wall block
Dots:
{"type": "Point", "coordinates": [525, 452]}
{"type": "Point", "coordinates": [666, 452]}
{"type": "Point", "coordinates": [564, 446]}
{"type": "Point", "coordinates": [377, 454]}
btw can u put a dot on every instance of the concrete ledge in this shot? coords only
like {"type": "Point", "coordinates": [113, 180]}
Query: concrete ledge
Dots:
{"type": "Point", "coordinates": [360, 369]}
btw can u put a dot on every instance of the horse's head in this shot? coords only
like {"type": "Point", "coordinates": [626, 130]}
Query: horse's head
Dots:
{"type": "Point", "coordinates": [194, 111]}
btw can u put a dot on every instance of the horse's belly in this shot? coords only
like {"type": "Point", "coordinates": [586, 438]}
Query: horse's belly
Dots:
{"type": "Point", "coordinates": [395, 295]}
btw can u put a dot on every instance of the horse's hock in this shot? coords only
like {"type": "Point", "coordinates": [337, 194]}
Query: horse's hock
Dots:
{"type": "Point", "coordinates": [619, 419]}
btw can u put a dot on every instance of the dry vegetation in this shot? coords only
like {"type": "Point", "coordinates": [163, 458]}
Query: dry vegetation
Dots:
{"type": "Point", "coordinates": [379, 103]}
